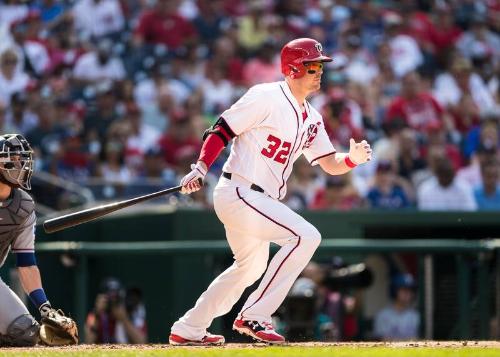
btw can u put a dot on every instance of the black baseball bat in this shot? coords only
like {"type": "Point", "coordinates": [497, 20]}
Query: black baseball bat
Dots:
{"type": "Point", "coordinates": [73, 219]}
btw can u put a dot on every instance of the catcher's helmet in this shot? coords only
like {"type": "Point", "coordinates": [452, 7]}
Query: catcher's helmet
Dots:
{"type": "Point", "coordinates": [299, 51]}
{"type": "Point", "coordinates": [16, 161]}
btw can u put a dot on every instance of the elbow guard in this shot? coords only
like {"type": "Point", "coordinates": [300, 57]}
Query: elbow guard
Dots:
{"type": "Point", "coordinates": [222, 130]}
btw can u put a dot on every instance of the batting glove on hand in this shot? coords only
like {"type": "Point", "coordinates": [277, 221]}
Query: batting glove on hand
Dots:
{"type": "Point", "coordinates": [193, 181]}
{"type": "Point", "coordinates": [359, 153]}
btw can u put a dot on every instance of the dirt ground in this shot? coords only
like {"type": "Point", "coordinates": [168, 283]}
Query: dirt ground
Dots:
{"type": "Point", "coordinates": [419, 344]}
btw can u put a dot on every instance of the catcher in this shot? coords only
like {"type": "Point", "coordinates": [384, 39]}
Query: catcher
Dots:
{"type": "Point", "coordinates": [17, 233]}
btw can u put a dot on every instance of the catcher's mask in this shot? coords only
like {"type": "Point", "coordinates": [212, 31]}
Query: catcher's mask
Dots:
{"type": "Point", "coordinates": [16, 161]}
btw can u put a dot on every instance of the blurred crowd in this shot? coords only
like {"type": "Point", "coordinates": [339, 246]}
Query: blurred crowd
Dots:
{"type": "Point", "coordinates": [115, 94]}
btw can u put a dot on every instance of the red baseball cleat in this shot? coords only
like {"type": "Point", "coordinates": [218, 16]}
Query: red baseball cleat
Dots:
{"type": "Point", "coordinates": [207, 340]}
{"type": "Point", "coordinates": [261, 331]}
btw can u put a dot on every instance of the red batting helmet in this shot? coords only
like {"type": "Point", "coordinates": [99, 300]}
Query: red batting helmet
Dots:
{"type": "Point", "coordinates": [299, 51]}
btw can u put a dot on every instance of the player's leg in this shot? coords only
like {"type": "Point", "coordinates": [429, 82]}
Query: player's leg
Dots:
{"type": "Point", "coordinates": [250, 254]}
{"type": "Point", "coordinates": [251, 257]}
{"type": "Point", "coordinates": [17, 326]}
{"type": "Point", "coordinates": [273, 221]}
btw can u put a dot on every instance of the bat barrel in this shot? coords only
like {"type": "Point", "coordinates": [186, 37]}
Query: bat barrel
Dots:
{"type": "Point", "coordinates": [76, 218]}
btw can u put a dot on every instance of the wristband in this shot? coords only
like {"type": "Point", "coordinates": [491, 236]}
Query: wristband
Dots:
{"type": "Point", "coordinates": [38, 297]}
{"type": "Point", "coordinates": [349, 162]}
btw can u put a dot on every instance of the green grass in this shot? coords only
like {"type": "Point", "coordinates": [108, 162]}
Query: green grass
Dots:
{"type": "Point", "coordinates": [265, 352]}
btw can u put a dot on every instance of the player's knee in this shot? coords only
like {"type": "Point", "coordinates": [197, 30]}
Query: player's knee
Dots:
{"type": "Point", "coordinates": [311, 238]}
{"type": "Point", "coordinates": [24, 331]}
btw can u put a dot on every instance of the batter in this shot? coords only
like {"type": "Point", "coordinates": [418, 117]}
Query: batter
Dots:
{"type": "Point", "coordinates": [272, 125]}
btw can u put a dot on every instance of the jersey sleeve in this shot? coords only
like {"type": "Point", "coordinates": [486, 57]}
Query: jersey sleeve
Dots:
{"type": "Point", "coordinates": [25, 240]}
{"type": "Point", "coordinates": [320, 146]}
{"type": "Point", "coordinates": [251, 109]}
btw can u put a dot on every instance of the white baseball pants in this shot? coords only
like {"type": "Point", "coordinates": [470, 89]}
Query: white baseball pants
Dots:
{"type": "Point", "coordinates": [252, 220]}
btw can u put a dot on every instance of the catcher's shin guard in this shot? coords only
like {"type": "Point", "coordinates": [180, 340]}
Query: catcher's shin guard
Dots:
{"type": "Point", "coordinates": [22, 332]}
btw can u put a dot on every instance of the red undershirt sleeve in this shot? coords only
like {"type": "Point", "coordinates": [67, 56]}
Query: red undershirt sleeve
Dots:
{"type": "Point", "coordinates": [211, 149]}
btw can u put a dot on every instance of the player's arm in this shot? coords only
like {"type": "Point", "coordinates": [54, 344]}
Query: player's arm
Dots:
{"type": "Point", "coordinates": [24, 249]}
{"type": "Point", "coordinates": [340, 163]}
{"type": "Point", "coordinates": [215, 139]}
{"type": "Point", "coordinates": [56, 329]}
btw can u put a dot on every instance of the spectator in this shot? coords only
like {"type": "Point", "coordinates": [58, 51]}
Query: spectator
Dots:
{"type": "Point", "coordinates": [264, 67]}
{"type": "Point", "coordinates": [99, 118]}
{"type": "Point", "coordinates": [50, 10]}
{"type": "Point", "coordinates": [210, 21]}
{"type": "Point", "coordinates": [400, 320]}
{"type": "Point", "coordinates": [12, 80]}
{"type": "Point", "coordinates": [20, 119]}
{"type": "Point", "coordinates": [148, 89]}
{"type": "Point", "coordinates": [386, 85]}
{"type": "Point", "coordinates": [472, 172]}
{"type": "Point", "coordinates": [32, 50]}
{"type": "Point", "coordinates": [45, 137]}
{"type": "Point", "coordinates": [444, 32]}
{"type": "Point", "coordinates": [343, 118]}
{"type": "Point", "coordinates": [415, 105]}
{"type": "Point", "coordinates": [252, 27]}
{"type": "Point", "coordinates": [479, 39]}
{"type": "Point", "coordinates": [178, 139]}
{"type": "Point", "coordinates": [164, 25]}
{"type": "Point", "coordinates": [410, 161]}
{"type": "Point", "coordinates": [117, 316]}
{"type": "Point", "coordinates": [406, 56]}
{"type": "Point", "coordinates": [339, 194]}
{"type": "Point", "coordinates": [152, 176]}
{"type": "Point", "coordinates": [12, 10]}
{"type": "Point", "coordinates": [302, 185]}
{"type": "Point", "coordinates": [486, 134]}
{"type": "Point", "coordinates": [224, 54]}
{"type": "Point", "coordinates": [98, 18]}
{"type": "Point", "coordinates": [142, 137]}
{"type": "Point", "coordinates": [436, 136]}
{"type": "Point", "coordinates": [443, 192]}
{"type": "Point", "coordinates": [112, 169]}
{"type": "Point", "coordinates": [73, 160]}
{"type": "Point", "coordinates": [360, 65]}
{"type": "Point", "coordinates": [99, 65]}
{"type": "Point", "coordinates": [488, 193]}
{"type": "Point", "coordinates": [218, 91]}
{"type": "Point", "coordinates": [464, 93]}
{"type": "Point", "coordinates": [389, 191]}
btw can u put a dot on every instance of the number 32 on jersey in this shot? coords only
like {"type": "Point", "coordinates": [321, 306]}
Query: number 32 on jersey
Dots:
{"type": "Point", "coordinates": [277, 150]}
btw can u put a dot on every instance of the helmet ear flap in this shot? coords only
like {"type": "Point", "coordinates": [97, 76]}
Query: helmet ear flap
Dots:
{"type": "Point", "coordinates": [294, 71]}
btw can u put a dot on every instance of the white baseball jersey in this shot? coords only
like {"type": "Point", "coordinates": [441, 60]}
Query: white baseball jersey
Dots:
{"type": "Point", "coordinates": [271, 134]}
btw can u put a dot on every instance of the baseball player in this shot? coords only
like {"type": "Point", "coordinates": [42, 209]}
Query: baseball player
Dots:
{"type": "Point", "coordinates": [17, 233]}
{"type": "Point", "coordinates": [272, 125]}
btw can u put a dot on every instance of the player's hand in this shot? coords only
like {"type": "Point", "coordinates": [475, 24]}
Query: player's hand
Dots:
{"type": "Point", "coordinates": [359, 153]}
{"type": "Point", "coordinates": [192, 182]}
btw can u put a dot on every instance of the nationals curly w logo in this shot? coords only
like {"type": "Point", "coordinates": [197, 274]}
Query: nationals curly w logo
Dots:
{"type": "Point", "coordinates": [312, 131]}
{"type": "Point", "coordinates": [319, 47]}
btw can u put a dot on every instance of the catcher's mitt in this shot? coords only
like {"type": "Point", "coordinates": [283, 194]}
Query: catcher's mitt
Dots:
{"type": "Point", "coordinates": [57, 329]}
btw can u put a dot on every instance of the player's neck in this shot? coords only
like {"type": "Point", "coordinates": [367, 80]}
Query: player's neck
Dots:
{"type": "Point", "coordinates": [298, 92]}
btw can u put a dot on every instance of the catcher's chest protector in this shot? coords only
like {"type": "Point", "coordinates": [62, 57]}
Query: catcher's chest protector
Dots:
{"type": "Point", "coordinates": [13, 212]}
